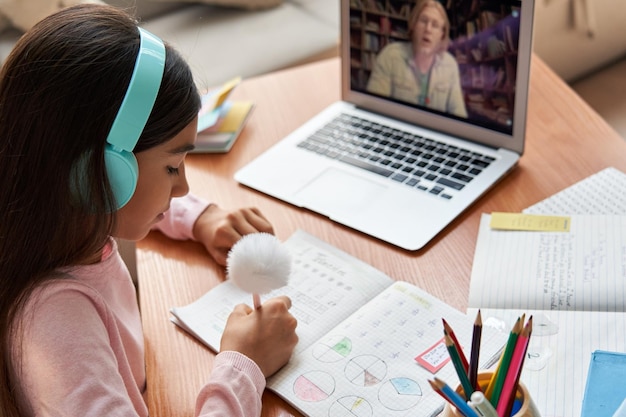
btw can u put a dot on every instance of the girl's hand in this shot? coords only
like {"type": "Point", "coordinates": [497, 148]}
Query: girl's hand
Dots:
{"type": "Point", "coordinates": [266, 335]}
{"type": "Point", "coordinates": [218, 230]}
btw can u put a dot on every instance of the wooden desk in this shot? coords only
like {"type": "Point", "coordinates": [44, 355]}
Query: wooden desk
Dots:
{"type": "Point", "coordinates": [566, 142]}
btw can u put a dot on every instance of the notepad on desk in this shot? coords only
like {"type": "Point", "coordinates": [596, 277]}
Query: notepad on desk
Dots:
{"type": "Point", "coordinates": [367, 345]}
{"type": "Point", "coordinates": [220, 119]}
{"type": "Point", "coordinates": [573, 285]}
{"type": "Point", "coordinates": [222, 136]}
{"type": "Point", "coordinates": [580, 270]}
{"type": "Point", "coordinates": [570, 281]}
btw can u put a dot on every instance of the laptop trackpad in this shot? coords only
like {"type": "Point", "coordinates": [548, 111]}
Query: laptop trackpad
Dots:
{"type": "Point", "coordinates": [335, 191]}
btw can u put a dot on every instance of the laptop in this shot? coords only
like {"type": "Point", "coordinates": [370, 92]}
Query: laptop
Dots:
{"type": "Point", "coordinates": [401, 166]}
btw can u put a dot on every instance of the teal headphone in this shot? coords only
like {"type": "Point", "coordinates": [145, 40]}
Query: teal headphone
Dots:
{"type": "Point", "coordinates": [121, 165]}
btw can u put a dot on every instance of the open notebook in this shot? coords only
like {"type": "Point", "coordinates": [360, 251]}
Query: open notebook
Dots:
{"type": "Point", "coordinates": [404, 153]}
{"type": "Point", "coordinates": [367, 344]}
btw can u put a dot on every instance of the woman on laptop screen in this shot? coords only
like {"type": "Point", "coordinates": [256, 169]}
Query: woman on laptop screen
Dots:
{"type": "Point", "coordinates": [421, 71]}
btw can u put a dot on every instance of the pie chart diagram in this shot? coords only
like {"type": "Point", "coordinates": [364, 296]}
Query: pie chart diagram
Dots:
{"type": "Point", "coordinates": [366, 370]}
{"type": "Point", "coordinates": [314, 386]}
{"type": "Point", "coordinates": [332, 349]}
{"type": "Point", "coordinates": [400, 394]}
{"type": "Point", "coordinates": [350, 406]}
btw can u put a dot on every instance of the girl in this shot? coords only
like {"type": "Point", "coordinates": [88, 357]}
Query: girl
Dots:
{"type": "Point", "coordinates": [78, 89]}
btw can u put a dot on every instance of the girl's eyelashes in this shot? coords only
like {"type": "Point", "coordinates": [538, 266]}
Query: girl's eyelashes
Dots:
{"type": "Point", "coordinates": [172, 170]}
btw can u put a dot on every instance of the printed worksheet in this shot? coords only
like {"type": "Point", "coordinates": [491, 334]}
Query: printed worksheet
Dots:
{"type": "Point", "coordinates": [325, 287]}
{"type": "Point", "coordinates": [379, 360]}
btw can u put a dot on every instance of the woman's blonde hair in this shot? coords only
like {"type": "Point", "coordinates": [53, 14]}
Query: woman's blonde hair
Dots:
{"type": "Point", "coordinates": [417, 11]}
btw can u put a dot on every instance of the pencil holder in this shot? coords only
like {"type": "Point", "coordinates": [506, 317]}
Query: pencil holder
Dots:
{"type": "Point", "coordinates": [527, 409]}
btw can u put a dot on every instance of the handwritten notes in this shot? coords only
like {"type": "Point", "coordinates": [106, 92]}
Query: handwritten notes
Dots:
{"type": "Point", "coordinates": [580, 270]}
{"type": "Point", "coordinates": [570, 282]}
{"type": "Point", "coordinates": [435, 357]}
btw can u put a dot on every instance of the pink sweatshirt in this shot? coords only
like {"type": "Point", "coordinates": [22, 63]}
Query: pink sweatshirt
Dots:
{"type": "Point", "coordinates": [83, 348]}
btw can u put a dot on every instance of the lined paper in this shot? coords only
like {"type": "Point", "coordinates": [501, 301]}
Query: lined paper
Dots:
{"type": "Point", "coordinates": [572, 283]}
{"type": "Point", "coordinates": [584, 269]}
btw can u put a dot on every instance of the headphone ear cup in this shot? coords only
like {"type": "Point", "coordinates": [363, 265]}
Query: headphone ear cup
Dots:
{"type": "Point", "coordinates": [123, 172]}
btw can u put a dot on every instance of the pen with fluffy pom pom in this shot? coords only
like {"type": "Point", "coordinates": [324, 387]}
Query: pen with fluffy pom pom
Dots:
{"type": "Point", "coordinates": [258, 264]}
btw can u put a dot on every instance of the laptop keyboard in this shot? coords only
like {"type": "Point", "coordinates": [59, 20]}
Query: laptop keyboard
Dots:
{"type": "Point", "coordinates": [416, 161]}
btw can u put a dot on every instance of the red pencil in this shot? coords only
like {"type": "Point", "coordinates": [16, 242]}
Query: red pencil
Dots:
{"type": "Point", "coordinates": [438, 391]}
{"type": "Point", "coordinates": [447, 330]}
{"type": "Point", "coordinates": [509, 388]}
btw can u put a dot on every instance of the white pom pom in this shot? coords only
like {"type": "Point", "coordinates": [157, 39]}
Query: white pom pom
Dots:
{"type": "Point", "coordinates": [258, 263]}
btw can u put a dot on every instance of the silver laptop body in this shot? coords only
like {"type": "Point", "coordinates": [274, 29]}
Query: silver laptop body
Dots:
{"type": "Point", "coordinates": [366, 182]}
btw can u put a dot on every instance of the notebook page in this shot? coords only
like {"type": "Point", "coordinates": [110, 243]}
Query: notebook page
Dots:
{"type": "Point", "coordinates": [366, 366]}
{"type": "Point", "coordinates": [584, 269]}
{"type": "Point", "coordinates": [556, 367]}
{"type": "Point", "coordinates": [326, 285]}
{"type": "Point", "coordinates": [600, 193]}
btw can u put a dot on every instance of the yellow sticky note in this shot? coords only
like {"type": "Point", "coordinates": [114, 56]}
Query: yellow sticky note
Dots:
{"type": "Point", "coordinates": [236, 115]}
{"type": "Point", "coordinates": [225, 91]}
{"type": "Point", "coordinates": [529, 222]}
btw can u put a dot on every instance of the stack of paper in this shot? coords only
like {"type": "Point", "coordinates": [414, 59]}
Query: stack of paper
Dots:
{"type": "Point", "coordinates": [221, 120]}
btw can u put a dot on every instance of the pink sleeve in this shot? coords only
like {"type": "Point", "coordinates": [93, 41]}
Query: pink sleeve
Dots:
{"type": "Point", "coordinates": [74, 359]}
{"type": "Point", "coordinates": [234, 390]}
{"type": "Point", "coordinates": [182, 215]}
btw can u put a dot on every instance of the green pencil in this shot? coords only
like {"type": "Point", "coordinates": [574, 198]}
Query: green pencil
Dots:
{"type": "Point", "coordinates": [503, 367]}
{"type": "Point", "coordinates": [458, 365]}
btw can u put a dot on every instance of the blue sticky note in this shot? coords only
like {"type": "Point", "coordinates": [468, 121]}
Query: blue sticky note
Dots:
{"type": "Point", "coordinates": [605, 390]}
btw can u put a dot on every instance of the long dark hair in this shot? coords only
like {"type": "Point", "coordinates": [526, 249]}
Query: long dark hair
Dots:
{"type": "Point", "coordinates": [60, 89]}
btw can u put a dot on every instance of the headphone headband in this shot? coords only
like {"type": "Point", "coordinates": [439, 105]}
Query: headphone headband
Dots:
{"type": "Point", "coordinates": [121, 164]}
{"type": "Point", "coordinates": [141, 93]}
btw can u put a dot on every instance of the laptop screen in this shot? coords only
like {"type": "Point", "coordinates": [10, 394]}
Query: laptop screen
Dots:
{"type": "Point", "coordinates": [456, 59]}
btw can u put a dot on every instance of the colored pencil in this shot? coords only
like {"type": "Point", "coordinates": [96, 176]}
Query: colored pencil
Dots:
{"type": "Point", "coordinates": [438, 391]}
{"type": "Point", "coordinates": [494, 388]}
{"type": "Point", "coordinates": [458, 365]}
{"type": "Point", "coordinates": [453, 397]}
{"type": "Point", "coordinates": [447, 330]}
{"type": "Point", "coordinates": [509, 388]}
{"type": "Point", "coordinates": [509, 409]}
{"type": "Point", "coordinates": [510, 345]}
{"type": "Point", "coordinates": [475, 352]}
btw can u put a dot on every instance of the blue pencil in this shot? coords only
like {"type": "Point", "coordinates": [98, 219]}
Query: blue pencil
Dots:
{"type": "Point", "coordinates": [454, 398]}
